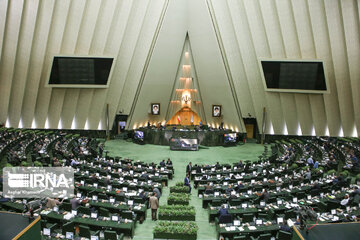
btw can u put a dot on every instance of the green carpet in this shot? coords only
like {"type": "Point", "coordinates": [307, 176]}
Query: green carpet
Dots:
{"type": "Point", "coordinates": [155, 153]}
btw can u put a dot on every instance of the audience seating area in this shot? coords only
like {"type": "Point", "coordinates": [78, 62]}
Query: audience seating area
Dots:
{"type": "Point", "coordinates": [111, 193]}
{"type": "Point", "coordinates": [263, 198]}
{"type": "Point", "coordinates": [298, 182]}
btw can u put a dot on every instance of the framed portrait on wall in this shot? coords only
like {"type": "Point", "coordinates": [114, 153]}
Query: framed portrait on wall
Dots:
{"type": "Point", "coordinates": [155, 108]}
{"type": "Point", "coordinates": [216, 110]}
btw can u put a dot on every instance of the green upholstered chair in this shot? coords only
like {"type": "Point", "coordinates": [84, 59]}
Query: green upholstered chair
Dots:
{"type": "Point", "coordinates": [241, 237]}
{"type": "Point", "coordinates": [66, 206]}
{"type": "Point", "coordinates": [248, 217]}
{"type": "Point", "coordinates": [84, 231]}
{"type": "Point", "coordinates": [282, 235]}
{"type": "Point", "coordinates": [112, 235]}
{"type": "Point", "coordinates": [216, 203]}
{"type": "Point", "coordinates": [84, 210]}
{"type": "Point", "coordinates": [104, 212]}
{"type": "Point", "coordinates": [264, 236]}
{"type": "Point", "coordinates": [263, 216]}
{"type": "Point", "coordinates": [68, 227]}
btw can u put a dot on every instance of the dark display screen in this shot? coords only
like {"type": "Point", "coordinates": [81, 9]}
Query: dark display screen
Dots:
{"type": "Point", "coordinates": [80, 70]}
{"type": "Point", "coordinates": [294, 75]}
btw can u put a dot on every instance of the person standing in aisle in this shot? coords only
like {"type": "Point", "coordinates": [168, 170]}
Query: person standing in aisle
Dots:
{"type": "Point", "coordinates": [154, 205]}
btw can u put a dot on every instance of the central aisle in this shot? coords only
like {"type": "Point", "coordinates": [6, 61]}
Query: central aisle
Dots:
{"type": "Point", "coordinates": [155, 153]}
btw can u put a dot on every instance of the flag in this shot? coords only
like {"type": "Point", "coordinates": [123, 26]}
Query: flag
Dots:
{"type": "Point", "coordinates": [178, 118]}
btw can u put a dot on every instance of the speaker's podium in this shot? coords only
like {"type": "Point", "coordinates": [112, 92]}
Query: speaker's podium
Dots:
{"type": "Point", "coordinates": [184, 144]}
{"type": "Point", "coordinates": [18, 227]}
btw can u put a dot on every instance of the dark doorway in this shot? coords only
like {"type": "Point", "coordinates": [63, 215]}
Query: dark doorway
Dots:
{"type": "Point", "coordinates": [119, 124]}
{"type": "Point", "coordinates": [251, 128]}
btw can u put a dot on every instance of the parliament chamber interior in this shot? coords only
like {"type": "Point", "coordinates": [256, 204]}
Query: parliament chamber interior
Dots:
{"type": "Point", "coordinates": [179, 119]}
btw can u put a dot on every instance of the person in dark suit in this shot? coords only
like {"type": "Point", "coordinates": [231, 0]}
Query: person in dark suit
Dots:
{"type": "Point", "coordinates": [157, 192]}
{"type": "Point", "coordinates": [187, 182]}
{"type": "Point", "coordinates": [229, 189]}
{"type": "Point", "coordinates": [145, 175]}
{"type": "Point", "coordinates": [169, 162]}
{"type": "Point", "coordinates": [162, 163]}
{"type": "Point", "coordinates": [284, 227]}
{"type": "Point", "coordinates": [223, 211]}
{"type": "Point", "coordinates": [239, 187]}
{"type": "Point", "coordinates": [189, 168]}
{"type": "Point", "coordinates": [101, 150]}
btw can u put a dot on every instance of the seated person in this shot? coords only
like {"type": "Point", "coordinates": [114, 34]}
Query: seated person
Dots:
{"type": "Point", "coordinates": [223, 211]}
{"type": "Point", "coordinates": [162, 163]}
{"type": "Point", "coordinates": [143, 195]}
{"type": "Point", "coordinates": [285, 227]}
{"type": "Point", "coordinates": [208, 188]}
{"type": "Point", "coordinates": [239, 187]}
{"type": "Point", "coordinates": [355, 192]}
{"type": "Point", "coordinates": [197, 168]}
{"type": "Point", "coordinates": [169, 162]}
{"type": "Point", "coordinates": [355, 161]}
{"type": "Point", "coordinates": [229, 189]}
{"type": "Point", "coordinates": [145, 175]}
{"type": "Point", "coordinates": [132, 212]}
{"type": "Point", "coordinates": [341, 180]}
{"type": "Point", "coordinates": [264, 195]}
{"type": "Point", "coordinates": [345, 201]}
{"type": "Point", "coordinates": [107, 181]}
{"type": "Point", "coordinates": [217, 165]}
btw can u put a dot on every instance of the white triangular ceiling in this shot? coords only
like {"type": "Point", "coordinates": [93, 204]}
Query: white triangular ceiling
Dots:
{"type": "Point", "coordinates": [182, 19]}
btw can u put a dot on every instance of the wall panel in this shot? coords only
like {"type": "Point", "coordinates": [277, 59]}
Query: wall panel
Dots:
{"type": "Point", "coordinates": [37, 58]}
{"type": "Point", "coordinates": [53, 47]}
{"type": "Point", "coordinates": [9, 53]}
{"type": "Point", "coordinates": [21, 67]}
{"type": "Point", "coordinates": [351, 27]}
{"type": "Point", "coordinates": [3, 12]}
{"type": "Point", "coordinates": [341, 69]}
{"type": "Point", "coordinates": [322, 48]}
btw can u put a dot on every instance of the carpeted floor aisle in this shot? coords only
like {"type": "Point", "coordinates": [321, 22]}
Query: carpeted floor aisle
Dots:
{"type": "Point", "coordinates": [155, 153]}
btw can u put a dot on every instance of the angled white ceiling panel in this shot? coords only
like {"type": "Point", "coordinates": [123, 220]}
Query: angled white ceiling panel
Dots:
{"type": "Point", "coordinates": [21, 67]}
{"type": "Point", "coordinates": [53, 46]}
{"type": "Point", "coordinates": [84, 47]}
{"type": "Point", "coordinates": [341, 69]}
{"type": "Point", "coordinates": [322, 48]}
{"type": "Point", "coordinates": [350, 14]}
{"type": "Point", "coordinates": [3, 12]}
{"type": "Point", "coordinates": [9, 54]}
{"type": "Point", "coordinates": [36, 62]}
{"type": "Point", "coordinates": [235, 56]}
{"type": "Point", "coordinates": [266, 45]}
